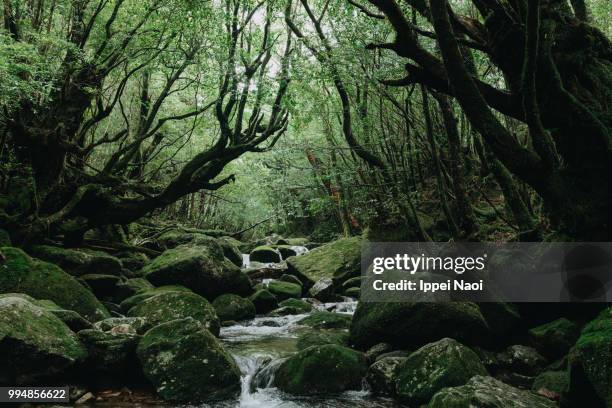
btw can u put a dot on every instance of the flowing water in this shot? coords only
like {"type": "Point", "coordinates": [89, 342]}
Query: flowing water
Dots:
{"type": "Point", "coordinates": [265, 342]}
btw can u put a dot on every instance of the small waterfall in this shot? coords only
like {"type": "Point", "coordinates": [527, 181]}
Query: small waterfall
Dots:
{"type": "Point", "coordinates": [246, 260]}
{"type": "Point", "coordinates": [299, 250]}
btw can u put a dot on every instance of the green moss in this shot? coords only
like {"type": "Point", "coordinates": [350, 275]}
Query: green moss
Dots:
{"type": "Point", "coordinates": [339, 260]}
{"type": "Point", "coordinates": [133, 300]}
{"type": "Point", "coordinates": [42, 280]}
{"type": "Point", "coordinates": [555, 381]}
{"type": "Point", "coordinates": [326, 320]}
{"type": "Point", "coordinates": [265, 254]}
{"type": "Point", "coordinates": [233, 307]}
{"type": "Point", "coordinates": [445, 363]}
{"type": "Point", "coordinates": [172, 305]}
{"type": "Point", "coordinates": [284, 290]}
{"type": "Point", "coordinates": [79, 261]}
{"type": "Point", "coordinates": [321, 337]}
{"type": "Point", "coordinates": [264, 301]}
{"type": "Point", "coordinates": [34, 343]}
{"type": "Point", "coordinates": [184, 362]}
{"type": "Point", "coordinates": [299, 305]}
{"type": "Point", "coordinates": [231, 249]}
{"type": "Point", "coordinates": [353, 293]}
{"type": "Point", "coordinates": [554, 339]}
{"type": "Point", "coordinates": [322, 369]}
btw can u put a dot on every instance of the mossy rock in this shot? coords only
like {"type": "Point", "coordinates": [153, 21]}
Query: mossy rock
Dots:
{"type": "Point", "coordinates": [590, 363]}
{"type": "Point", "coordinates": [133, 300]}
{"type": "Point", "coordinates": [325, 369]}
{"type": "Point", "coordinates": [264, 301]}
{"type": "Point", "coordinates": [231, 250]}
{"type": "Point", "coordinates": [265, 254]}
{"type": "Point", "coordinates": [169, 306]}
{"type": "Point", "coordinates": [445, 363]}
{"type": "Point", "coordinates": [352, 283]}
{"type": "Point", "coordinates": [299, 304]}
{"type": "Point", "coordinates": [284, 290]}
{"type": "Point", "coordinates": [285, 250]}
{"type": "Point", "coordinates": [130, 287]}
{"type": "Point", "coordinates": [382, 374]}
{"type": "Point", "coordinates": [354, 293]}
{"type": "Point", "coordinates": [323, 290]}
{"type": "Point", "coordinates": [290, 278]}
{"type": "Point", "coordinates": [174, 238]}
{"type": "Point", "coordinates": [111, 354]}
{"type": "Point", "coordinates": [133, 261]}
{"type": "Point", "coordinates": [233, 307]}
{"type": "Point", "coordinates": [123, 325]}
{"type": "Point", "coordinates": [522, 360]}
{"type": "Point", "coordinates": [487, 392]}
{"type": "Point", "coordinates": [321, 337]}
{"type": "Point", "coordinates": [411, 325]}
{"type": "Point", "coordinates": [186, 363]}
{"type": "Point", "coordinates": [79, 262]}
{"type": "Point", "coordinates": [326, 320]}
{"type": "Point", "coordinates": [199, 268]}
{"type": "Point", "coordinates": [42, 280]}
{"type": "Point", "coordinates": [555, 381]}
{"type": "Point", "coordinates": [34, 343]}
{"type": "Point", "coordinates": [556, 338]}
{"type": "Point", "coordinates": [339, 260]}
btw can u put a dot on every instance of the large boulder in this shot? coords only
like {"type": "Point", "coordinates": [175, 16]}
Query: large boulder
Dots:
{"type": "Point", "coordinates": [185, 362]}
{"type": "Point", "coordinates": [412, 325]}
{"type": "Point", "coordinates": [265, 254]}
{"type": "Point", "coordinates": [231, 249]}
{"type": "Point", "coordinates": [323, 290]}
{"type": "Point", "coordinates": [284, 290]}
{"type": "Point", "coordinates": [321, 337]}
{"type": "Point", "coordinates": [79, 262]}
{"type": "Point", "coordinates": [42, 280]}
{"type": "Point", "coordinates": [326, 320]}
{"type": "Point", "coordinates": [142, 295]}
{"type": "Point", "coordinates": [487, 392]}
{"type": "Point", "coordinates": [322, 369]}
{"type": "Point", "coordinates": [34, 343]}
{"type": "Point", "coordinates": [299, 305]}
{"type": "Point", "coordinates": [556, 338]}
{"type": "Point", "coordinates": [522, 360]}
{"type": "Point", "coordinates": [590, 363]}
{"type": "Point", "coordinates": [168, 306]}
{"type": "Point", "coordinates": [233, 307]}
{"type": "Point", "coordinates": [445, 363]}
{"type": "Point", "coordinates": [382, 374]}
{"type": "Point", "coordinates": [200, 268]}
{"type": "Point", "coordinates": [264, 301]}
{"type": "Point", "coordinates": [339, 260]}
{"type": "Point", "coordinates": [130, 287]}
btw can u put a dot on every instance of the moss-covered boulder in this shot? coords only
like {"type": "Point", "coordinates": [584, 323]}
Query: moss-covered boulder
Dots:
{"type": "Point", "coordinates": [382, 374]}
{"type": "Point", "coordinates": [285, 250]}
{"type": "Point", "coordinates": [290, 278]}
{"type": "Point", "coordinates": [284, 290]}
{"type": "Point", "coordinates": [522, 360]}
{"type": "Point", "coordinates": [323, 290]}
{"type": "Point", "coordinates": [264, 301]}
{"type": "Point", "coordinates": [590, 363]}
{"type": "Point", "coordinates": [322, 369]}
{"type": "Point", "coordinates": [487, 392]}
{"type": "Point", "coordinates": [339, 260]}
{"type": "Point", "coordinates": [556, 338]}
{"type": "Point", "coordinates": [133, 261]}
{"type": "Point", "coordinates": [411, 325]}
{"type": "Point", "coordinates": [326, 320]}
{"type": "Point", "coordinates": [199, 268]}
{"type": "Point", "coordinates": [130, 287]}
{"type": "Point", "coordinates": [234, 307]}
{"type": "Point", "coordinates": [354, 293]}
{"type": "Point", "coordinates": [265, 254]}
{"type": "Point", "coordinates": [231, 249]}
{"type": "Point", "coordinates": [168, 306]}
{"type": "Point", "coordinates": [34, 343]}
{"type": "Point", "coordinates": [79, 262]}
{"type": "Point", "coordinates": [445, 363]}
{"type": "Point", "coordinates": [42, 280]}
{"type": "Point", "coordinates": [185, 362]}
{"type": "Point", "coordinates": [551, 381]}
{"type": "Point", "coordinates": [299, 305]}
{"type": "Point", "coordinates": [111, 354]}
{"type": "Point", "coordinates": [127, 325]}
{"type": "Point", "coordinates": [321, 337]}
{"type": "Point", "coordinates": [132, 301]}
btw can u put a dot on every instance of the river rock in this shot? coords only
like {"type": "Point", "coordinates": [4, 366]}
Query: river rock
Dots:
{"type": "Point", "coordinates": [265, 254]}
{"type": "Point", "coordinates": [111, 354]}
{"type": "Point", "coordinates": [321, 337]}
{"type": "Point", "coordinates": [142, 295]}
{"type": "Point", "coordinates": [412, 325]}
{"type": "Point", "coordinates": [264, 301]}
{"type": "Point", "coordinates": [129, 287]}
{"type": "Point", "coordinates": [298, 304]}
{"type": "Point", "coordinates": [169, 306]}
{"type": "Point", "coordinates": [34, 343]}
{"type": "Point", "coordinates": [133, 261]}
{"type": "Point", "coordinates": [284, 290]}
{"type": "Point", "coordinates": [377, 350]}
{"type": "Point", "coordinates": [233, 307]}
{"type": "Point", "coordinates": [78, 262]}
{"type": "Point", "coordinates": [522, 360]}
{"type": "Point", "coordinates": [445, 363]}
{"type": "Point", "coordinates": [231, 250]}
{"type": "Point", "coordinates": [487, 392]}
{"type": "Point", "coordinates": [323, 290]}
{"type": "Point", "coordinates": [129, 325]}
{"type": "Point", "coordinates": [382, 374]}
{"type": "Point", "coordinates": [556, 338]}
{"type": "Point", "coordinates": [326, 320]}
{"type": "Point", "coordinates": [290, 278]}
{"type": "Point", "coordinates": [590, 363]}
{"type": "Point", "coordinates": [42, 280]}
{"type": "Point", "coordinates": [186, 363]}
{"type": "Point", "coordinates": [338, 260]}
{"type": "Point", "coordinates": [322, 369]}
{"type": "Point", "coordinates": [202, 269]}
{"type": "Point", "coordinates": [354, 293]}
{"type": "Point", "coordinates": [551, 381]}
